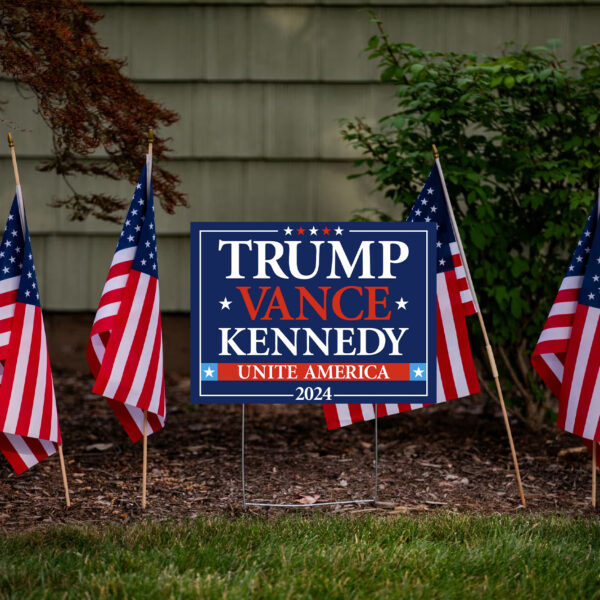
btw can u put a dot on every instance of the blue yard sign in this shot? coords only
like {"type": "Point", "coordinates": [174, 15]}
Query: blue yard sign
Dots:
{"type": "Point", "coordinates": [313, 312]}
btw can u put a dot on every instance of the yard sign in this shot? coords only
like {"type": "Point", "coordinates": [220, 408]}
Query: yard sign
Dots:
{"type": "Point", "coordinates": [313, 312]}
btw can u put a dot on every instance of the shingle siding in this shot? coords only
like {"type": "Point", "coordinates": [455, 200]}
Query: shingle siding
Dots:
{"type": "Point", "coordinates": [260, 87]}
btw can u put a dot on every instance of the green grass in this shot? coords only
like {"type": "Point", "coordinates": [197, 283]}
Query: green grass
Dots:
{"type": "Point", "coordinates": [322, 556]}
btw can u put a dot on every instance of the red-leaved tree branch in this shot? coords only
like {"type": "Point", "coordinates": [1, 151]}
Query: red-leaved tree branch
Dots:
{"type": "Point", "coordinates": [51, 49]}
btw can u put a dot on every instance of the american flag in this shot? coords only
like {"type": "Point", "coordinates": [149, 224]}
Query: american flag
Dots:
{"type": "Point", "coordinates": [456, 375]}
{"type": "Point", "coordinates": [29, 430]}
{"type": "Point", "coordinates": [567, 354]}
{"type": "Point", "coordinates": [125, 350]}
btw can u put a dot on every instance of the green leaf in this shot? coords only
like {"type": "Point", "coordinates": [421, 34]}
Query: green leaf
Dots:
{"type": "Point", "coordinates": [509, 81]}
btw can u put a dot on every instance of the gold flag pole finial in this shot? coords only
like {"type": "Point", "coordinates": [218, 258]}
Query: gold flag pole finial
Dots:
{"type": "Point", "coordinates": [436, 154]}
{"type": "Point", "coordinates": [11, 145]}
{"type": "Point", "coordinates": [150, 140]}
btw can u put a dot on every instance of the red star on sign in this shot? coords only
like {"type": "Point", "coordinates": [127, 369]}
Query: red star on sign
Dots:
{"type": "Point", "coordinates": [326, 230]}
{"type": "Point", "coordinates": [300, 231]}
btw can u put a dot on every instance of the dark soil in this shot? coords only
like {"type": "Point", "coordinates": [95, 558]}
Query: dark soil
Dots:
{"type": "Point", "coordinates": [450, 457]}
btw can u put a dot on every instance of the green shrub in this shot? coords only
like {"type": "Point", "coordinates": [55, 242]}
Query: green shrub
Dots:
{"type": "Point", "coordinates": [519, 139]}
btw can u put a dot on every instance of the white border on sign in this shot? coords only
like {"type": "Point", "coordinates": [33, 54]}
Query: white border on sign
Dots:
{"type": "Point", "coordinates": [200, 395]}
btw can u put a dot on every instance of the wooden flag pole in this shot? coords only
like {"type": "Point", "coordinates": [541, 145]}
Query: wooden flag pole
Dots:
{"type": "Point", "coordinates": [488, 347]}
{"type": "Point", "coordinates": [145, 459]}
{"type": "Point", "coordinates": [11, 145]}
{"type": "Point", "coordinates": [594, 472]}
{"type": "Point", "coordinates": [145, 443]}
{"type": "Point", "coordinates": [64, 474]}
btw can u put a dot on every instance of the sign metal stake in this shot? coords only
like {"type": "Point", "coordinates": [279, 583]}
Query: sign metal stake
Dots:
{"type": "Point", "coordinates": [372, 500]}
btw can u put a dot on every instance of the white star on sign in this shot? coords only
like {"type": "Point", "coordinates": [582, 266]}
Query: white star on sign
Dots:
{"type": "Point", "coordinates": [225, 303]}
{"type": "Point", "coordinates": [313, 230]}
{"type": "Point", "coordinates": [418, 372]}
{"type": "Point", "coordinates": [401, 303]}
{"type": "Point", "coordinates": [288, 231]}
{"type": "Point", "coordinates": [208, 372]}
{"type": "Point", "coordinates": [338, 230]}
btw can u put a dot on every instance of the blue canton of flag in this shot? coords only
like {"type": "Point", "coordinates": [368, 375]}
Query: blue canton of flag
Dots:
{"type": "Point", "coordinates": [586, 261]}
{"type": "Point", "coordinates": [431, 206]}
{"type": "Point", "coordinates": [139, 229]}
{"type": "Point", "coordinates": [581, 256]}
{"type": "Point", "coordinates": [16, 258]}
{"type": "Point", "coordinates": [11, 252]}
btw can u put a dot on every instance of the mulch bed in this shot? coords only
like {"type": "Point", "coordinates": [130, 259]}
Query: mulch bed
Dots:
{"type": "Point", "coordinates": [451, 457]}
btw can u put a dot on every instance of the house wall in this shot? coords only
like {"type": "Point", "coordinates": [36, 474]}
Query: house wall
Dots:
{"type": "Point", "coordinates": [260, 87]}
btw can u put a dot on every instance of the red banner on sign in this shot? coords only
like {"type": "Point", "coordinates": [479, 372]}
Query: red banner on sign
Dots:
{"type": "Point", "coordinates": [314, 372]}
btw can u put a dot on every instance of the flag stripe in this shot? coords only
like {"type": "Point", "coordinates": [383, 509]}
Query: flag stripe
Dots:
{"type": "Point", "coordinates": [130, 353]}
{"type": "Point", "coordinates": [452, 345]}
{"type": "Point", "coordinates": [31, 377]}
